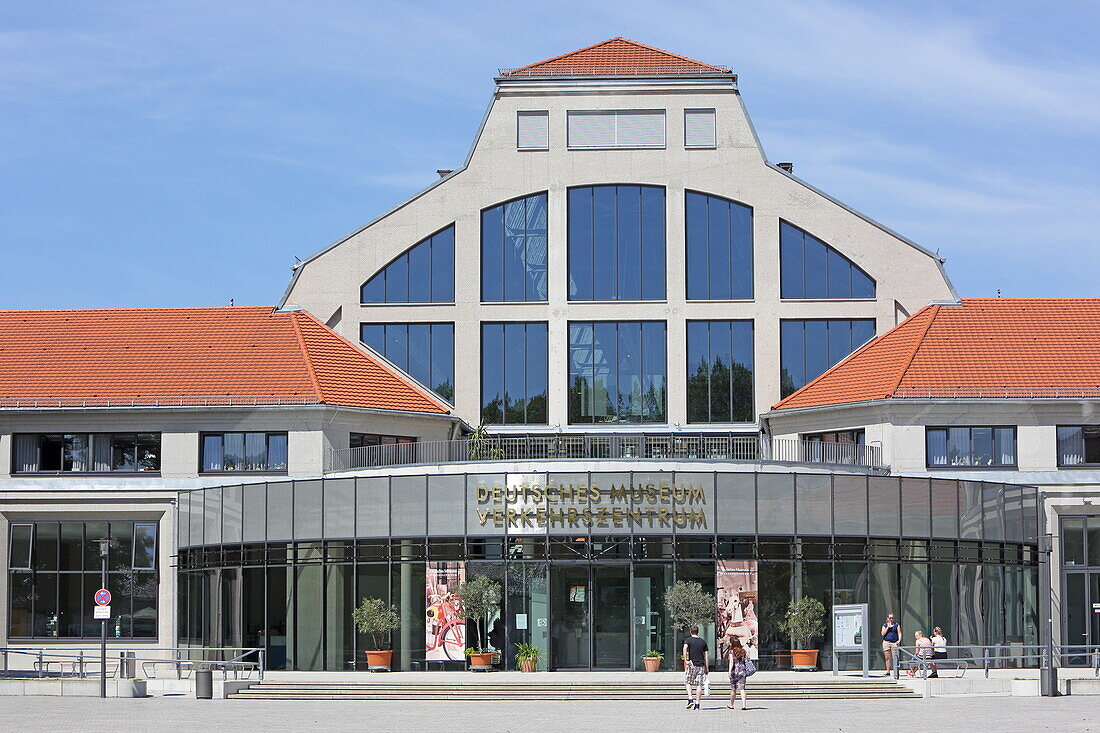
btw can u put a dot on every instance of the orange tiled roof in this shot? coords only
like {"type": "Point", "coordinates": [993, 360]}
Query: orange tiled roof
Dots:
{"type": "Point", "coordinates": [616, 56]}
{"type": "Point", "coordinates": [983, 347]}
{"type": "Point", "coordinates": [191, 356]}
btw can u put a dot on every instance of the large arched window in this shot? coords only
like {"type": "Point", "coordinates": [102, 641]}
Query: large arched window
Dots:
{"type": "Point", "coordinates": [719, 248]}
{"type": "Point", "coordinates": [617, 243]}
{"type": "Point", "coordinates": [513, 251]}
{"type": "Point", "coordinates": [424, 273]}
{"type": "Point", "coordinates": [809, 268]}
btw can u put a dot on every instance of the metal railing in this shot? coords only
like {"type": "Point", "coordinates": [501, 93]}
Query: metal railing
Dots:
{"type": "Point", "coordinates": [609, 447]}
{"type": "Point", "coordinates": [85, 662]}
{"type": "Point", "coordinates": [1002, 656]}
{"type": "Point", "coordinates": [960, 393]}
{"type": "Point", "coordinates": [53, 403]}
{"type": "Point", "coordinates": [625, 70]}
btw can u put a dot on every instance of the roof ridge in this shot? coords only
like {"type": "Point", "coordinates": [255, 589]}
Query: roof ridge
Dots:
{"type": "Point", "coordinates": [306, 356]}
{"type": "Point", "coordinates": [935, 311]}
{"type": "Point", "coordinates": [604, 42]}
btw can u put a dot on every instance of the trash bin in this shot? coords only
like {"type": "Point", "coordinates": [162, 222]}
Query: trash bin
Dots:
{"type": "Point", "coordinates": [127, 665]}
{"type": "Point", "coordinates": [204, 684]}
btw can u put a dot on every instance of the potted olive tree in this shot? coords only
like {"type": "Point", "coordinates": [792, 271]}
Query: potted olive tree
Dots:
{"type": "Point", "coordinates": [374, 617]}
{"type": "Point", "coordinates": [804, 622]}
{"type": "Point", "coordinates": [479, 598]}
{"type": "Point", "coordinates": [689, 605]}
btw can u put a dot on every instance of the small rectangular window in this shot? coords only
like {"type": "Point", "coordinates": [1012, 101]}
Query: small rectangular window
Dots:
{"type": "Point", "coordinates": [244, 452]}
{"type": "Point", "coordinates": [145, 546]}
{"type": "Point", "coordinates": [617, 128]}
{"type": "Point", "coordinates": [86, 452]}
{"type": "Point", "coordinates": [980, 447]}
{"type": "Point", "coordinates": [699, 129]}
{"type": "Point", "coordinates": [533, 130]}
{"type": "Point", "coordinates": [1079, 445]}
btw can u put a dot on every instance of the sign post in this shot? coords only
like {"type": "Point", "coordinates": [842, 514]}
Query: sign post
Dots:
{"type": "Point", "coordinates": [103, 601]}
{"type": "Point", "coordinates": [850, 624]}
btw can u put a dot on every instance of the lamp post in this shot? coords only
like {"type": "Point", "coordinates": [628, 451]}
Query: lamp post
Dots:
{"type": "Point", "coordinates": [104, 545]}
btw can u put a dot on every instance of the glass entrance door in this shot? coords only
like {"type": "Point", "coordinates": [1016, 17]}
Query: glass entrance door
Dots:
{"type": "Point", "coordinates": [590, 617]}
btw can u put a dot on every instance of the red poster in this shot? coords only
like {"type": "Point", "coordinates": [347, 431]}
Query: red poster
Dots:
{"type": "Point", "coordinates": [738, 599]}
{"type": "Point", "coordinates": [445, 628]}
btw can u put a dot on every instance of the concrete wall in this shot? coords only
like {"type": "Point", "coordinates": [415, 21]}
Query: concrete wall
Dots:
{"type": "Point", "coordinates": [328, 285]}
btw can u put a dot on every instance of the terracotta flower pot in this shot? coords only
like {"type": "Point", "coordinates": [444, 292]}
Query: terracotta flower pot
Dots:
{"type": "Point", "coordinates": [528, 665]}
{"type": "Point", "coordinates": [481, 660]}
{"type": "Point", "coordinates": [379, 659]}
{"type": "Point", "coordinates": [804, 658]}
{"type": "Point", "coordinates": [652, 664]}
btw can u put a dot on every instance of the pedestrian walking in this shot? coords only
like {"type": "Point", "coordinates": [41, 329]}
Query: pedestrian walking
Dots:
{"type": "Point", "coordinates": [696, 665]}
{"type": "Point", "coordinates": [891, 635]}
{"type": "Point", "coordinates": [939, 649]}
{"type": "Point", "coordinates": [738, 671]}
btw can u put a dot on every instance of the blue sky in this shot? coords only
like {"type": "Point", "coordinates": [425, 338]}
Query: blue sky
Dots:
{"type": "Point", "coordinates": [183, 153]}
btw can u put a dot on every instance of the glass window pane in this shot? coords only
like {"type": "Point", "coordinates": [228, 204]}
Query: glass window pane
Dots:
{"type": "Point", "coordinates": [397, 280]}
{"type": "Point", "coordinates": [515, 243]}
{"type": "Point", "coordinates": [698, 371]}
{"type": "Point", "coordinates": [815, 259]}
{"type": "Point", "coordinates": [840, 275]}
{"type": "Point", "coordinates": [443, 358]}
{"type": "Point", "coordinates": [374, 336]}
{"type": "Point", "coordinates": [653, 371]}
{"type": "Point", "coordinates": [718, 261]}
{"type": "Point", "coordinates": [792, 354]}
{"type": "Point", "coordinates": [580, 243]}
{"type": "Point", "coordinates": [628, 252]}
{"type": "Point", "coordinates": [420, 273]}
{"type": "Point", "coordinates": [936, 446]}
{"type": "Point", "coordinates": [280, 506]}
{"type": "Point", "coordinates": [46, 536]}
{"type": "Point", "coordinates": [603, 243]}
{"type": "Point", "coordinates": [231, 514]}
{"type": "Point", "coordinates": [123, 457]}
{"type": "Point", "coordinates": [19, 556]}
{"type": "Point", "coordinates": [916, 520]}
{"type": "Point", "coordinates": [604, 360]}
{"type": "Point", "coordinates": [492, 254]}
{"type": "Point", "coordinates": [817, 348]}
{"type": "Point", "coordinates": [791, 261]}
{"type": "Point", "coordinates": [145, 545]}
{"type": "Point", "coordinates": [741, 255]}
{"type": "Point", "coordinates": [736, 494]}
{"type": "Point", "coordinates": [1073, 541]}
{"type": "Point", "coordinates": [1091, 436]}
{"type": "Point", "coordinates": [849, 505]}
{"type": "Point", "coordinates": [276, 451]}
{"type": "Point", "coordinates": [698, 283]}
{"type": "Point", "coordinates": [515, 389]}
{"type": "Point", "coordinates": [443, 266]}
{"type": "Point", "coordinates": [862, 284]}
{"type": "Point", "coordinates": [339, 508]}
{"type": "Point", "coordinates": [492, 373]}
{"type": "Point", "coordinates": [408, 509]}
{"type": "Point", "coordinates": [945, 508]}
{"type": "Point", "coordinates": [1092, 530]}
{"type": "Point", "coordinates": [372, 507]}
{"type": "Point", "coordinates": [536, 363]}
{"type": "Point", "coordinates": [233, 445]}
{"type": "Point", "coordinates": [580, 372]}
{"type": "Point", "coordinates": [721, 354]}
{"type": "Point", "coordinates": [1071, 446]}
{"type": "Point", "coordinates": [536, 247]}
{"type": "Point", "coordinates": [653, 243]}
{"type": "Point", "coordinates": [72, 546]}
{"type": "Point", "coordinates": [307, 510]}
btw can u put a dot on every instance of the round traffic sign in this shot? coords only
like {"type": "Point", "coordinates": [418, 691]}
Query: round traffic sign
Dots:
{"type": "Point", "coordinates": [103, 597]}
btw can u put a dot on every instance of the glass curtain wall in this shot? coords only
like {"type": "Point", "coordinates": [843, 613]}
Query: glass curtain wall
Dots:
{"type": "Point", "coordinates": [720, 371]}
{"type": "Point", "coordinates": [514, 364]}
{"type": "Point", "coordinates": [617, 372]}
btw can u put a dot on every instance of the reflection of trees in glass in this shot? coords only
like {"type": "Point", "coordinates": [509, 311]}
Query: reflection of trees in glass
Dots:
{"type": "Point", "coordinates": [706, 385]}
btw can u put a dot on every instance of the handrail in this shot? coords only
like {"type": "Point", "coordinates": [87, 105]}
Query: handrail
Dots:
{"type": "Point", "coordinates": [616, 446]}
{"type": "Point", "coordinates": [1060, 652]}
{"type": "Point", "coordinates": [76, 657]}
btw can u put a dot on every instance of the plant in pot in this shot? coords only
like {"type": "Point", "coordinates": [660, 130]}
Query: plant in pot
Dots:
{"type": "Point", "coordinates": [652, 660]}
{"type": "Point", "coordinates": [689, 605]}
{"type": "Point", "coordinates": [479, 598]}
{"type": "Point", "coordinates": [527, 657]}
{"type": "Point", "coordinates": [804, 622]}
{"type": "Point", "coordinates": [374, 617]}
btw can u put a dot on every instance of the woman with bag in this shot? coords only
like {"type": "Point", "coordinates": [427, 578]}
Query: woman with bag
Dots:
{"type": "Point", "coordinates": [740, 667]}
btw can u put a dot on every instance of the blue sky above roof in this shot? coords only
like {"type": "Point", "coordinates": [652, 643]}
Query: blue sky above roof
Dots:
{"type": "Point", "coordinates": [184, 153]}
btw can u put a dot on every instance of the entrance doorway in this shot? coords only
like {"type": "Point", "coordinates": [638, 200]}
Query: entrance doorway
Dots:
{"type": "Point", "coordinates": [590, 606]}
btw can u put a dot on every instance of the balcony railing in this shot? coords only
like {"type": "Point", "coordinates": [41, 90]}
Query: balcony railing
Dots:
{"type": "Point", "coordinates": [609, 447]}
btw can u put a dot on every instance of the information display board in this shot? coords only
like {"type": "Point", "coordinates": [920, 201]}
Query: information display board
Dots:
{"type": "Point", "coordinates": [850, 634]}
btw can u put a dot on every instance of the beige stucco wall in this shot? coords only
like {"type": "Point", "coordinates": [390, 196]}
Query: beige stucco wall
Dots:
{"type": "Point", "coordinates": [497, 171]}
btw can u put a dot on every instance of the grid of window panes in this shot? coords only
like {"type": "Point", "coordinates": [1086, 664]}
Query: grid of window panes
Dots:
{"type": "Point", "coordinates": [366, 440]}
{"type": "Point", "coordinates": [719, 371]}
{"type": "Point", "coordinates": [617, 372]}
{"type": "Point", "coordinates": [514, 364]}
{"type": "Point", "coordinates": [719, 248]}
{"type": "Point", "coordinates": [424, 273]}
{"type": "Point", "coordinates": [971, 446]}
{"type": "Point", "coordinates": [246, 452]}
{"type": "Point", "coordinates": [424, 350]}
{"type": "Point", "coordinates": [300, 554]}
{"type": "Point", "coordinates": [86, 452]}
{"type": "Point", "coordinates": [808, 348]}
{"type": "Point", "coordinates": [513, 251]}
{"type": "Point", "coordinates": [54, 569]}
{"type": "Point", "coordinates": [1078, 445]}
{"type": "Point", "coordinates": [617, 243]}
{"type": "Point", "coordinates": [809, 268]}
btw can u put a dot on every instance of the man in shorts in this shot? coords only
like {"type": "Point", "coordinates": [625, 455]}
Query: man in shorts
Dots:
{"type": "Point", "coordinates": [696, 665]}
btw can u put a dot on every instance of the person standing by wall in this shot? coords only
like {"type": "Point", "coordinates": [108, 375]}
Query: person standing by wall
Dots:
{"type": "Point", "coordinates": [738, 673]}
{"type": "Point", "coordinates": [696, 665]}
{"type": "Point", "coordinates": [891, 635]}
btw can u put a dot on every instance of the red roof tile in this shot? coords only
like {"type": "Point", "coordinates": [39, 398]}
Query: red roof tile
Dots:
{"type": "Point", "coordinates": [189, 356]}
{"type": "Point", "coordinates": [983, 347]}
{"type": "Point", "coordinates": [614, 57]}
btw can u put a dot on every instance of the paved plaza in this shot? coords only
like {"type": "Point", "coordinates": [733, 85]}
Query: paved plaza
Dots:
{"type": "Point", "coordinates": [168, 714]}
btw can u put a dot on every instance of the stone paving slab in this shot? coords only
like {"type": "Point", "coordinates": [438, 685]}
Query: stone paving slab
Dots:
{"type": "Point", "coordinates": [169, 715]}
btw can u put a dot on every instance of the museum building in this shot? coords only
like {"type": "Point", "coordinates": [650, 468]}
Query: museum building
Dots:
{"type": "Point", "coordinates": [617, 284]}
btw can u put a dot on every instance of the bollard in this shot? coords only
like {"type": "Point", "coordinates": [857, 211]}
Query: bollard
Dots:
{"type": "Point", "coordinates": [985, 662]}
{"type": "Point", "coordinates": [127, 665]}
{"type": "Point", "coordinates": [40, 663]}
{"type": "Point", "coordinates": [82, 664]}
